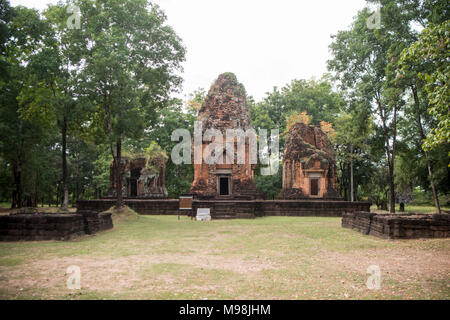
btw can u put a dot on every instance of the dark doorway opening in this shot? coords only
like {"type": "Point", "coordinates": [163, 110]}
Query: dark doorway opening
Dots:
{"type": "Point", "coordinates": [314, 187]}
{"type": "Point", "coordinates": [134, 177]}
{"type": "Point", "coordinates": [133, 187]}
{"type": "Point", "coordinates": [224, 186]}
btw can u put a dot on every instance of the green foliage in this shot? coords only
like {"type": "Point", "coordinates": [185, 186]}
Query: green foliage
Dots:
{"type": "Point", "coordinates": [430, 56]}
{"type": "Point", "coordinates": [55, 77]}
{"type": "Point", "coordinates": [154, 151]}
{"type": "Point", "coordinates": [230, 76]}
{"type": "Point", "coordinates": [317, 98]}
{"type": "Point", "coordinates": [178, 177]}
{"type": "Point", "coordinates": [104, 83]}
{"type": "Point", "coordinates": [271, 185]}
{"type": "Point", "coordinates": [119, 55]}
{"type": "Point", "coordinates": [195, 100]}
{"type": "Point", "coordinates": [101, 172]}
{"type": "Point", "coordinates": [164, 121]}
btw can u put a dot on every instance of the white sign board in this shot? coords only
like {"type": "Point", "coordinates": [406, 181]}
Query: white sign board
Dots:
{"type": "Point", "coordinates": [203, 214]}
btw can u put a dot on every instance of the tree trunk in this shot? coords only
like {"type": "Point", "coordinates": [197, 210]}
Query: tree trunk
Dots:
{"type": "Point", "coordinates": [433, 189]}
{"type": "Point", "coordinates": [390, 154]}
{"type": "Point", "coordinates": [391, 166]}
{"type": "Point", "coordinates": [347, 184]}
{"type": "Point", "coordinates": [351, 174]}
{"type": "Point", "coordinates": [17, 182]}
{"type": "Point", "coordinates": [422, 136]}
{"type": "Point", "coordinates": [76, 196]}
{"type": "Point", "coordinates": [118, 168]}
{"type": "Point", "coordinates": [57, 196]}
{"type": "Point", "coordinates": [14, 184]}
{"type": "Point", "coordinates": [65, 205]}
{"type": "Point", "coordinates": [391, 189]}
{"type": "Point", "coordinates": [341, 181]}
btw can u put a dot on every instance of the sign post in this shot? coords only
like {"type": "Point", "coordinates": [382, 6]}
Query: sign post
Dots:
{"type": "Point", "coordinates": [185, 204]}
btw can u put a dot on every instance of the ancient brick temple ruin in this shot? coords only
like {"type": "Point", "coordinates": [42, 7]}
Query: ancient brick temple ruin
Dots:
{"type": "Point", "coordinates": [225, 107]}
{"type": "Point", "coordinates": [228, 188]}
{"type": "Point", "coordinates": [309, 166]}
{"type": "Point", "coordinates": [139, 179]}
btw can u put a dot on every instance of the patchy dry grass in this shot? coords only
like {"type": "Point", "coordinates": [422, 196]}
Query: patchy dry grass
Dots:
{"type": "Point", "coordinates": [159, 257]}
{"type": "Point", "coordinates": [412, 208]}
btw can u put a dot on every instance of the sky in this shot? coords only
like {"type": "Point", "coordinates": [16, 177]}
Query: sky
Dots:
{"type": "Point", "coordinates": [266, 43]}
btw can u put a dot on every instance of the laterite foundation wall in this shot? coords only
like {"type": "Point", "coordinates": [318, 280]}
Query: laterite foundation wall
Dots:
{"type": "Point", "coordinates": [50, 226]}
{"type": "Point", "coordinates": [156, 207]}
{"type": "Point", "coordinates": [399, 226]}
{"type": "Point", "coordinates": [221, 209]}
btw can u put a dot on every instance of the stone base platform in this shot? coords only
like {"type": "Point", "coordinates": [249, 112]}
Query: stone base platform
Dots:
{"type": "Point", "coordinates": [52, 226]}
{"type": "Point", "coordinates": [226, 209]}
{"type": "Point", "coordinates": [399, 226]}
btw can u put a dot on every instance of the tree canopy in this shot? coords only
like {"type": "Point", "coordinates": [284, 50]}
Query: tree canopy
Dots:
{"type": "Point", "coordinates": [75, 99]}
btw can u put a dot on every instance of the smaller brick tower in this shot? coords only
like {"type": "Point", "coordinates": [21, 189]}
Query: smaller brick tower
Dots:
{"type": "Point", "coordinates": [309, 165]}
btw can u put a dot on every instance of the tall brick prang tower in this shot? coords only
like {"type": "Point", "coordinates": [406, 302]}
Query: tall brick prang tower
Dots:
{"type": "Point", "coordinates": [225, 107]}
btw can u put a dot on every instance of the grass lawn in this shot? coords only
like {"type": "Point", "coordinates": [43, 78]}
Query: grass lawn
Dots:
{"type": "Point", "coordinates": [412, 208]}
{"type": "Point", "coordinates": [159, 257]}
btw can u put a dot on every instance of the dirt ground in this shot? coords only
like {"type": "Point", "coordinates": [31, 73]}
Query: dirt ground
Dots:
{"type": "Point", "coordinates": [159, 257]}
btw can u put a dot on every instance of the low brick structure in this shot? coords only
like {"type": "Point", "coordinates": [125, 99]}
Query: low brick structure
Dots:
{"type": "Point", "coordinates": [398, 226]}
{"type": "Point", "coordinates": [222, 209]}
{"type": "Point", "coordinates": [52, 226]}
{"type": "Point", "coordinates": [140, 179]}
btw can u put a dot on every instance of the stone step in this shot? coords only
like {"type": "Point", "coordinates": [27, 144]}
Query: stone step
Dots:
{"type": "Point", "coordinates": [224, 216]}
{"type": "Point", "coordinates": [224, 213]}
{"type": "Point", "coordinates": [224, 210]}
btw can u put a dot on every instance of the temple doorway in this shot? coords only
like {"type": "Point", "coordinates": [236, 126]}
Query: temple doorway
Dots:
{"type": "Point", "coordinates": [314, 187]}
{"type": "Point", "coordinates": [134, 177]}
{"type": "Point", "coordinates": [133, 187]}
{"type": "Point", "coordinates": [224, 186]}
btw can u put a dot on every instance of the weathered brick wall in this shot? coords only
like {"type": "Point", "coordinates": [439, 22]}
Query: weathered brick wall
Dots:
{"type": "Point", "coordinates": [105, 221]}
{"type": "Point", "coordinates": [236, 208]}
{"type": "Point", "coordinates": [156, 207]}
{"type": "Point", "coordinates": [40, 227]}
{"type": "Point", "coordinates": [231, 209]}
{"type": "Point", "coordinates": [95, 205]}
{"type": "Point", "coordinates": [319, 208]}
{"type": "Point", "coordinates": [399, 226]}
{"type": "Point", "coordinates": [164, 207]}
{"type": "Point", "coordinates": [95, 221]}
{"type": "Point", "coordinates": [50, 226]}
{"type": "Point", "coordinates": [359, 220]}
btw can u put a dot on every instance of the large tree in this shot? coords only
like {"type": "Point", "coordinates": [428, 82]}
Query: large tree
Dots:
{"type": "Point", "coordinates": [352, 131]}
{"type": "Point", "coordinates": [428, 58]}
{"type": "Point", "coordinates": [51, 91]}
{"type": "Point", "coordinates": [317, 98]}
{"type": "Point", "coordinates": [20, 137]}
{"type": "Point", "coordinates": [360, 58]}
{"type": "Point", "coordinates": [130, 67]}
{"type": "Point", "coordinates": [406, 75]}
{"type": "Point", "coordinates": [366, 62]}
